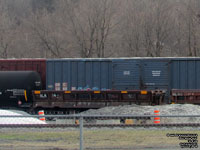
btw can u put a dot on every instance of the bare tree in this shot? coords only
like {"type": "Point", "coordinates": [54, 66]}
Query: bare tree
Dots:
{"type": "Point", "coordinates": [7, 31]}
{"type": "Point", "coordinates": [192, 27]}
{"type": "Point", "coordinates": [91, 22]}
{"type": "Point", "coordinates": [132, 27]}
{"type": "Point", "coordinates": [47, 36]}
{"type": "Point", "coordinates": [157, 22]}
{"type": "Point", "coordinates": [99, 28]}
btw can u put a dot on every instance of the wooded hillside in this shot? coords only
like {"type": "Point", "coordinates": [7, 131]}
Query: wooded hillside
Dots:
{"type": "Point", "coordinates": [99, 28]}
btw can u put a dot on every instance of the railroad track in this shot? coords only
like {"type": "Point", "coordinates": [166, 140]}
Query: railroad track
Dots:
{"type": "Point", "coordinates": [97, 125]}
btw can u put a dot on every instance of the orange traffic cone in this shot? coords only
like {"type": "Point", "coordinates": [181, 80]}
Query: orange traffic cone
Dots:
{"type": "Point", "coordinates": [156, 118]}
{"type": "Point", "coordinates": [41, 113]}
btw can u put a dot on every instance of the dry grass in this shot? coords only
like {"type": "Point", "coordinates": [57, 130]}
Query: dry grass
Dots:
{"type": "Point", "coordinates": [99, 138]}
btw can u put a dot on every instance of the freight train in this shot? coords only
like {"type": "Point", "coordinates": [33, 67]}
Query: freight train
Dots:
{"type": "Point", "coordinates": [79, 84]}
{"type": "Point", "coordinates": [16, 87]}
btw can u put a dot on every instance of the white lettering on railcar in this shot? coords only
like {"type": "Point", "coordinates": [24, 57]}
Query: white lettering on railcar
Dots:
{"type": "Point", "coordinates": [73, 88]}
{"type": "Point", "coordinates": [126, 73]}
{"type": "Point", "coordinates": [149, 83]}
{"type": "Point", "coordinates": [37, 83]}
{"type": "Point", "coordinates": [156, 73]}
{"type": "Point", "coordinates": [50, 86]}
{"type": "Point", "coordinates": [64, 86]}
{"type": "Point", "coordinates": [57, 86]}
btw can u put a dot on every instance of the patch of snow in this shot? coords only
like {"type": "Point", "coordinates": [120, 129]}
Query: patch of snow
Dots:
{"type": "Point", "coordinates": [17, 120]}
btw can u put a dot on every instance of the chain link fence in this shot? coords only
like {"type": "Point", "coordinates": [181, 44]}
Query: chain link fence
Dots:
{"type": "Point", "coordinates": [97, 132]}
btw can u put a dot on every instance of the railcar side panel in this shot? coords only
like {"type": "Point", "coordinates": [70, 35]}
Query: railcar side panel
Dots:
{"type": "Point", "coordinates": [38, 65]}
{"type": "Point", "coordinates": [156, 74]}
{"type": "Point", "coordinates": [126, 74]}
{"type": "Point", "coordinates": [78, 74]}
{"type": "Point", "coordinates": [185, 74]}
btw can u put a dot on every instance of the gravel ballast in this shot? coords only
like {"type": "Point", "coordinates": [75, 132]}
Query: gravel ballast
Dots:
{"type": "Point", "coordinates": [171, 109]}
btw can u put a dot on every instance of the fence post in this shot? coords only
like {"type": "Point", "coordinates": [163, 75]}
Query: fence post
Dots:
{"type": "Point", "coordinates": [81, 131]}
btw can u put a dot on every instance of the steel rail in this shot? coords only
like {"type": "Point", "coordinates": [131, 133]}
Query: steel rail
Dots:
{"type": "Point", "coordinates": [95, 116]}
{"type": "Point", "coordinates": [97, 125]}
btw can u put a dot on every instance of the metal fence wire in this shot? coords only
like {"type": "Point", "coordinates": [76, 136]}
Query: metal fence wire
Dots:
{"type": "Point", "coordinates": [70, 132]}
